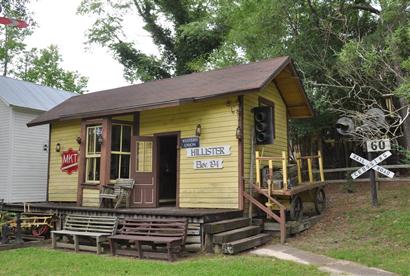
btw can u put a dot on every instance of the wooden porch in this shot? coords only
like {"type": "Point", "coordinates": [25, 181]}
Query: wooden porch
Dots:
{"type": "Point", "coordinates": [197, 217]}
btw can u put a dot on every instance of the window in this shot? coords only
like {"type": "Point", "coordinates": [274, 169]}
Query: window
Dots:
{"type": "Point", "coordinates": [93, 154]}
{"type": "Point", "coordinates": [120, 151]}
{"type": "Point", "coordinates": [144, 156]}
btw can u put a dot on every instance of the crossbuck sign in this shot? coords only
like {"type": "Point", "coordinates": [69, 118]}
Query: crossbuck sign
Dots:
{"type": "Point", "coordinates": [372, 165]}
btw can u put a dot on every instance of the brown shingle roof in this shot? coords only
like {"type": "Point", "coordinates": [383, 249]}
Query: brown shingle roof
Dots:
{"type": "Point", "coordinates": [170, 92]}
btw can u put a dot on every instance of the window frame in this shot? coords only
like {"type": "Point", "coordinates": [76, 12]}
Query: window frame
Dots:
{"type": "Point", "coordinates": [94, 155]}
{"type": "Point", "coordinates": [120, 152]}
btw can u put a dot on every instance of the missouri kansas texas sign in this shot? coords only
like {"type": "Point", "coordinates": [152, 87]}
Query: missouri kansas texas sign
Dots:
{"type": "Point", "coordinates": [69, 160]}
{"type": "Point", "coordinates": [372, 165]}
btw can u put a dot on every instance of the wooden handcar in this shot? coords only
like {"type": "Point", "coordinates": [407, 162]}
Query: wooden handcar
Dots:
{"type": "Point", "coordinates": [291, 194]}
{"type": "Point", "coordinates": [38, 224]}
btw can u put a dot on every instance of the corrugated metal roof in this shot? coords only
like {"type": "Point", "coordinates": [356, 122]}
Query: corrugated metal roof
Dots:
{"type": "Point", "coordinates": [29, 95]}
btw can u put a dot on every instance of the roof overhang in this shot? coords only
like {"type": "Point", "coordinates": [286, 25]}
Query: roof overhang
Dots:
{"type": "Point", "coordinates": [283, 75]}
{"type": "Point", "coordinates": [293, 93]}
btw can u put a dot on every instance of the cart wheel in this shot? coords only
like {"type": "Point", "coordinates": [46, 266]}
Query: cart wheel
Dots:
{"type": "Point", "coordinates": [296, 208]}
{"type": "Point", "coordinates": [320, 201]}
{"type": "Point", "coordinates": [40, 231]}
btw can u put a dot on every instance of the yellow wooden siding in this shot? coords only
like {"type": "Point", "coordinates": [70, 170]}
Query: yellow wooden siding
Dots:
{"type": "Point", "coordinates": [216, 188]}
{"type": "Point", "coordinates": [281, 125]}
{"type": "Point", "coordinates": [62, 186]}
{"type": "Point", "coordinates": [91, 197]}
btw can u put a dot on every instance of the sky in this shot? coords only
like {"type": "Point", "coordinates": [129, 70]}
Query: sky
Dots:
{"type": "Point", "coordinates": [59, 24]}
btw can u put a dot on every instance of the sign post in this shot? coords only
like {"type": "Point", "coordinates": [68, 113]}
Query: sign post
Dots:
{"type": "Point", "coordinates": [372, 164]}
{"type": "Point", "coordinates": [373, 185]}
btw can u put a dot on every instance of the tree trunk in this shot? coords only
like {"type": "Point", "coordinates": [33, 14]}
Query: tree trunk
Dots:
{"type": "Point", "coordinates": [6, 54]}
{"type": "Point", "coordinates": [405, 141]}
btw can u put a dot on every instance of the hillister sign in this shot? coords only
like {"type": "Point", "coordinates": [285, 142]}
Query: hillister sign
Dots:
{"type": "Point", "coordinates": [209, 151]}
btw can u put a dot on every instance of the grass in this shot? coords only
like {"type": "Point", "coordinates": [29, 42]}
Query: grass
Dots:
{"type": "Point", "coordinates": [44, 261]}
{"type": "Point", "coordinates": [353, 230]}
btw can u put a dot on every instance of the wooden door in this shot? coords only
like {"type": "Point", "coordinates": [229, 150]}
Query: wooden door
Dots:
{"type": "Point", "coordinates": [145, 190]}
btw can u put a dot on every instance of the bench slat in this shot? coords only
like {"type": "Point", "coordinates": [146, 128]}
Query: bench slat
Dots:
{"type": "Point", "coordinates": [145, 238]}
{"type": "Point", "coordinates": [89, 225]}
{"type": "Point", "coordinates": [179, 225]}
{"type": "Point", "coordinates": [100, 224]}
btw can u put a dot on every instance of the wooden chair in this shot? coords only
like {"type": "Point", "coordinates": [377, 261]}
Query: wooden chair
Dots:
{"type": "Point", "coordinates": [118, 193]}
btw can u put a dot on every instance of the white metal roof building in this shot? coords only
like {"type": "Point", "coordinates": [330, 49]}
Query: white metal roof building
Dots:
{"type": "Point", "coordinates": [23, 150]}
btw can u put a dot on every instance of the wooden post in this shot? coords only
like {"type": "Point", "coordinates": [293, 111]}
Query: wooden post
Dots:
{"type": "Point", "coordinates": [270, 175]}
{"type": "Point", "coordinates": [269, 205]}
{"type": "Point", "coordinates": [258, 170]}
{"type": "Point", "coordinates": [19, 238]}
{"type": "Point", "coordinates": [282, 225]}
{"type": "Point", "coordinates": [309, 161]}
{"type": "Point", "coordinates": [285, 170]}
{"type": "Point", "coordinates": [373, 186]}
{"type": "Point", "coordinates": [322, 174]}
{"type": "Point", "coordinates": [299, 166]}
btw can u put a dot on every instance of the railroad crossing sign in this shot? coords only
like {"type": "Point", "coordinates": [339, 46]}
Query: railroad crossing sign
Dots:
{"type": "Point", "coordinates": [372, 165]}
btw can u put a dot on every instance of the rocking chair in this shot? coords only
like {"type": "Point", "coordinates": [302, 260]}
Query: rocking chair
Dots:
{"type": "Point", "coordinates": [117, 193]}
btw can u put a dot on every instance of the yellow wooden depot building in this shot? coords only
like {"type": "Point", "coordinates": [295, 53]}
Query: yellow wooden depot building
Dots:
{"type": "Point", "coordinates": [149, 132]}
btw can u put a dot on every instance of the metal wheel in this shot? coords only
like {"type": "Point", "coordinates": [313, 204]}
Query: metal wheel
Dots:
{"type": "Point", "coordinates": [320, 201]}
{"type": "Point", "coordinates": [296, 208]}
{"type": "Point", "coordinates": [40, 231]}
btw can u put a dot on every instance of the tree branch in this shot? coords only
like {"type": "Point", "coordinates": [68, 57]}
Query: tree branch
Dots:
{"type": "Point", "coordinates": [365, 7]}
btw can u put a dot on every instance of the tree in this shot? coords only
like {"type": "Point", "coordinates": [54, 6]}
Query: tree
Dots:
{"type": "Point", "coordinates": [44, 67]}
{"type": "Point", "coordinates": [12, 39]}
{"type": "Point", "coordinates": [341, 48]}
{"type": "Point", "coordinates": [183, 30]}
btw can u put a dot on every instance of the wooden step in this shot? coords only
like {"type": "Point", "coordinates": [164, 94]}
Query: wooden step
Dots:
{"type": "Point", "coordinates": [245, 244]}
{"type": "Point", "coordinates": [236, 234]}
{"type": "Point", "coordinates": [225, 225]}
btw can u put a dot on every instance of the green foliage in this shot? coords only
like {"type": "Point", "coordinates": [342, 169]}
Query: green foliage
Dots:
{"type": "Point", "coordinates": [44, 67]}
{"type": "Point", "coordinates": [341, 48]}
{"type": "Point", "coordinates": [12, 43]}
{"type": "Point", "coordinates": [405, 153]}
{"type": "Point", "coordinates": [41, 261]}
{"type": "Point", "coordinates": [184, 31]}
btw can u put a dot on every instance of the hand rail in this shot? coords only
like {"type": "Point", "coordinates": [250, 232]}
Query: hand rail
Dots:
{"type": "Point", "coordinates": [259, 190]}
{"type": "Point", "coordinates": [280, 219]}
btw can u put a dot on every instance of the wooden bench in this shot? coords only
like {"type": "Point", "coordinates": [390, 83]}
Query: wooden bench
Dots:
{"type": "Point", "coordinates": [97, 228]}
{"type": "Point", "coordinates": [153, 232]}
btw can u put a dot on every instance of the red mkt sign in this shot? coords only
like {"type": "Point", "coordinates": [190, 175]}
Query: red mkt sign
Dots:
{"type": "Point", "coordinates": [69, 162]}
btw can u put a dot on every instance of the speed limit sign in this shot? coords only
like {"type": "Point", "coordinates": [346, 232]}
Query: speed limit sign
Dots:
{"type": "Point", "coordinates": [378, 145]}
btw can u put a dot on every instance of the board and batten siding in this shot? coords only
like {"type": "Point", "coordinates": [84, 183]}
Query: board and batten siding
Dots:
{"type": "Point", "coordinates": [29, 159]}
{"type": "Point", "coordinates": [215, 188]}
{"type": "Point", "coordinates": [5, 149]}
{"type": "Point", "coordinates": [62, 186]}
{"type": "Point", "coordinates": [281, 126]}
